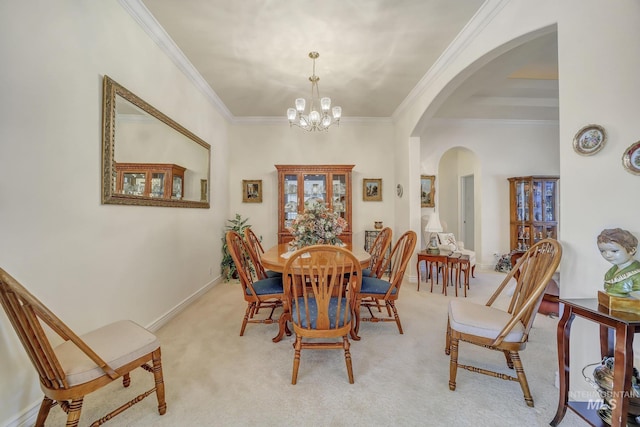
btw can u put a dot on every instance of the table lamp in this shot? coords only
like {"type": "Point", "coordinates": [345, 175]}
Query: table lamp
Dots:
{"type": "Point", "coordinates": [433, 226]}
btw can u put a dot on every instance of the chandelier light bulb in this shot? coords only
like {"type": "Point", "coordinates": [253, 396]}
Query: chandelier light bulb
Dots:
{"type": "Point", "coordinates": [316, 120]}
{"type": "Point", "coordinates": [314, 117]}
{"type": "Point", "coordinates": [325, 103]}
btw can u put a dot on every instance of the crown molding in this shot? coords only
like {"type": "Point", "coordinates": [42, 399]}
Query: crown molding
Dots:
{"type": "Point", "coordinates": [493, 122]}
{"type": "Point", "coordinates": [259, 121]}
{"type": "Point", "coordinates": [480, 20]}
{"type": "Point", "coordinates": [152, 27]}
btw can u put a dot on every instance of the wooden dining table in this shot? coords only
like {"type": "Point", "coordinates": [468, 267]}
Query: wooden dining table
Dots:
{"type": "Point", "coordinates": [272, 259]}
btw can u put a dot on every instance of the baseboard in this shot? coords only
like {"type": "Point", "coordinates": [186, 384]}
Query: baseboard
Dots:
{"type": "Point", "coordinates": [165, 318]}
{"type": "Point", "coordinates": [28, 416]}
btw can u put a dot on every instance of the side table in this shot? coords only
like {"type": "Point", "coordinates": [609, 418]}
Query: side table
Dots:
{"type": "Point", "coordinates": [617, 330]}
{"type": "Point", "coordinates": [431, 261]}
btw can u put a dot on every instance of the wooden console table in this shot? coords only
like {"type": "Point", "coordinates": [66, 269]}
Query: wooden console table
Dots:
{"type": "Point", "coordinates": [617, 330]}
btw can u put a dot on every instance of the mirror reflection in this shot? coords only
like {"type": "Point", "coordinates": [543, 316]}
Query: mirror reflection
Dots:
{"type": "Point", "coordinates": [148, 159]}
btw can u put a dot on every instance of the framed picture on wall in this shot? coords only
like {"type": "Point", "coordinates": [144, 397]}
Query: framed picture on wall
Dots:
{"type": "Point", "coordinates": [252, 191]}
{"type": "Point", "coordinates": [428, 191]}
{"type": "Point", "coordinates": [372, 190]}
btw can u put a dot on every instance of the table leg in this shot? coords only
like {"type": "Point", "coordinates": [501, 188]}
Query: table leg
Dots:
{"type": "Point", "coordinates": [622, 372]}
{"type": "Point", "coordinates": [563, 334]}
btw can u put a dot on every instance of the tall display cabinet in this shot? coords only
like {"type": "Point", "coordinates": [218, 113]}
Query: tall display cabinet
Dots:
{"type": "Point", "coordinates": [301, 186]}
{"type": "Point", "coordinates": [533, 210]}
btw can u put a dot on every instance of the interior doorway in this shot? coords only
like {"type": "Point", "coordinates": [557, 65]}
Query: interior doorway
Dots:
{"type": "Point", "coordinates": [467, 207]}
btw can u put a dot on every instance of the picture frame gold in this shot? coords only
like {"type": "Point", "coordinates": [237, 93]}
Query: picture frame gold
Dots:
{"type": "Point", "coordinates": [589, 140]}
{"type": "Point", "coordinates": [252, 191]}
{"type": "Point", "coordinates": [428, 191]}
{"type": "Point", "coordinates": [372, 189]}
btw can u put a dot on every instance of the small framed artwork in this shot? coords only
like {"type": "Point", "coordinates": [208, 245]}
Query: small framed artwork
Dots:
{"type": "Point", "coordinates": [372, 190]}
{"type": "Point", "coordinates": [427, 191]}
{"type": "Point", "coordinates": [252, 191]}
{"type": "Point", "coordinates": [631, 158]}
{"type": "Point", "coordinates": [589, 140]}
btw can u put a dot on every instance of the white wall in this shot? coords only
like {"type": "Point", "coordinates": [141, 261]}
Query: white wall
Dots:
{"type": "Point", "coordinates": [502, 150]}
{"type": "Point", "coordinates": [598, 84]}
{"type": "Point", "coordinates": [255, 149]}
{"type": "Point", "coordinates": [90, 263]}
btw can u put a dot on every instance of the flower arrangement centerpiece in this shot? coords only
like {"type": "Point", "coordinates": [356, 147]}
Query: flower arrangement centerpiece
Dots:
{"type": "Point", "coordinates": [316, 226]}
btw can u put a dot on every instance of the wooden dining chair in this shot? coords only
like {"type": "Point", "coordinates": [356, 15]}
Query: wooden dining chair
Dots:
{"type": "Point", "coordinates": [378, 293]}
{"type": "Point", "coordinates": [257, 292]}
{"type": "Point", "coordinates": [506, 329]}
{"type": "Point", "coordinates": [256, 250]}
{"type": "Point", "coordinates": [321, 287]}
{"type": "Point", "coordinates": [378, 253]}
{"type": "Point", "coordinates": [81, 364]}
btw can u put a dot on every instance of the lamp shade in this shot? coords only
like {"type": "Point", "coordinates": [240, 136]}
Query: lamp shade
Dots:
{"type": "Point", "coordinates": [433, 226]}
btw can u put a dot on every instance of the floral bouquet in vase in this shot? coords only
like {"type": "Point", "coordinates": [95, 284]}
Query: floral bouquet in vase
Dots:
{"type": "Point", "coordinates": [317, 226]}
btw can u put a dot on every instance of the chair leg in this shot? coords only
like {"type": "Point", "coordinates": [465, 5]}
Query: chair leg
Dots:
{"type": "Point", "coordinates": [247, 312]}
{"type": "Point", "coordinates": [447, 342]}
{"type": "Point", "coordinates": [392, 306]}
{"type": "Point", "coordinates": [45, 406]}
{"type": "Point", "coordinates": [453, 363]}
{"type": "Point", "coordinates": [159, 380]}
{"type": "Point", "coordinates": [522, 378]}
{"type": "Point", "coordinates": [126, 380]}
{"type": "Point", "coordinates": [347, 358]}
{"type": "Point", "coordinates": [296, 359]}
{"type": "Point", "coordinates": [73, 414]}
{"type": "Point", "coordinates": [508, 357]}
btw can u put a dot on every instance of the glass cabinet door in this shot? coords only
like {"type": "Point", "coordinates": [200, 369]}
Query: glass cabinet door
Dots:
{"type": "Point", "coordinates": [157, 184]}
{"type": "Point", "coordinates": [522, 196]}
{"type": "Point", "coordinates": [291, 201]}
{"type": "Point", "coordinates": [315, 190]}
{"type": "Point", "coordinates": [176, 190]}
{"type": "Point", "coordinates": [338, 194]}
{"type": "Point", "coordinates": [550, 201]}
{"type": "Point", "coordinates": [133, 183]}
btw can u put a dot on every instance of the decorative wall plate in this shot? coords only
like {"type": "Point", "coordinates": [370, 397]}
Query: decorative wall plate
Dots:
{"type": "Point", "coordinates": [631, 158]}
{"type": "Point", "coordinates": [589, 140]}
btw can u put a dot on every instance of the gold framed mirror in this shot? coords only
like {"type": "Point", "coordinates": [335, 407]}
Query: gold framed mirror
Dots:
{"type": "Point", "coordinates": [157, 162]}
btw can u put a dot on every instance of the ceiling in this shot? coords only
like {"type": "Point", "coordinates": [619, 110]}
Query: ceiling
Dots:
{"type": "Point", "coordinates": [254, 55]}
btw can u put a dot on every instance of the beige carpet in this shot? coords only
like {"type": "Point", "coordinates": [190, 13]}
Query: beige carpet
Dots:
{"type": "Point", "coordinates": [214, 377]}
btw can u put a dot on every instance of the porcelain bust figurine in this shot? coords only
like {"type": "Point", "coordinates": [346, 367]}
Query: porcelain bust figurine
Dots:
{"type": "Point", "coordinates": [618, 246]}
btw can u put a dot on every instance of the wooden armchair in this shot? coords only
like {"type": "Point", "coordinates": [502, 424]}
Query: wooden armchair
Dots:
{"type": "Point", "coordinates": [321, 287]}
{"type": "Point", "coordinates": [504, 330]}
{"type": "Point", "coordinates": [378, 253]}
{"type": "Point", "coordinates": [378, 293]}
{"type": "Point", "coordinates": [258, 291]}
{"type": "Point", "coordinates": [256, 250]}
{"type": "Point", "coordinates": [81, 364]}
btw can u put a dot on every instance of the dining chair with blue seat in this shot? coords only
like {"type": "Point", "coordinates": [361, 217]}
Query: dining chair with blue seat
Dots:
{"type": "Point", "coordinates": [384, 292]}
{"type": "Point", "coordinates": [256, 250]}
{"type": "Point", "coordinates": [378, 253]}
{"type": "Point", "coordinates": [321, 286]}
{"type": "Point", "coordinates": [266, 292]}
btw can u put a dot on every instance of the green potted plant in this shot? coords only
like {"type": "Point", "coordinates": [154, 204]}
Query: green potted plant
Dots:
{"type": "Point", "coordinates": [227, 266]}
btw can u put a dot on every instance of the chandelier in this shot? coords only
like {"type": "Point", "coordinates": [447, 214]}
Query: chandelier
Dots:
{"type": "Point", "coordinates": [315, 120]}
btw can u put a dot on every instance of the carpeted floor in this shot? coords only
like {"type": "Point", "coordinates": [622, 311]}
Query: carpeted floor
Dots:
{"type": "Point", "coordinates": [214, 377]}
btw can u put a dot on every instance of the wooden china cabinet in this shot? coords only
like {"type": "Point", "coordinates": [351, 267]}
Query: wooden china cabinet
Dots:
{"type": "Point", "coordinates": [301, 186]}
{"type": "Point", "coordinates": [158, 180]}
{"type": "Point", "coordinates": [533, 210]}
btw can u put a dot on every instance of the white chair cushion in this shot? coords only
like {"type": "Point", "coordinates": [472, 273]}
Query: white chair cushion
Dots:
{"type": "Point", "coordinates": [117, 344]}
{"type": "Point", "coordinates": [482, 321]}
